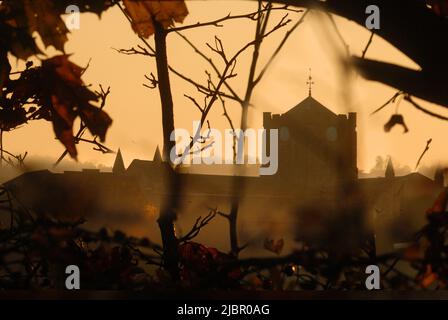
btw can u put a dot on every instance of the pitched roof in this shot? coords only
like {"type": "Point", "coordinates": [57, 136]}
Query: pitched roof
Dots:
{"type": "Point", "coordinates": [310, 106]}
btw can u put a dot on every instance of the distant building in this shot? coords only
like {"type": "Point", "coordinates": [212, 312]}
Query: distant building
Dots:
{"type": "Point", "coordinates": [317, 150]}
{"type": "Point", "coordinates": [317, 166]}
{"type": "Point", "coordinates": [397, 205]}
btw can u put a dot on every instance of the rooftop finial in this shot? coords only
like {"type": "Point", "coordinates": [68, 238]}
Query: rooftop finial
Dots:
{"type": "Point", "coordinates": [310, 83]}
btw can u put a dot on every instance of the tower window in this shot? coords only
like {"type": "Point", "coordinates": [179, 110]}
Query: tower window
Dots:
{"type": "Point", "coordinates": [284, 133]}
{"type": "Point", "coordinates": [332, 134]}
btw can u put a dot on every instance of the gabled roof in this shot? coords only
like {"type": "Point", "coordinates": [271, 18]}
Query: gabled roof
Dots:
{"type": "Point", "coordinates": [141, 165]}
{"type": "Point", "coordinates": [311, 107]}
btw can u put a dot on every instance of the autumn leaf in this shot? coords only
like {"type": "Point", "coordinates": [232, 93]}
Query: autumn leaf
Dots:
{"type": "Point", "coordinates": [46, 21]}
{"type": "Point", "coordinates": [274, 246]}
{"type": "Point", "coordinates": [94, 6]}
{"type": "Point", "coordinates": [143, 13]}
{"type": "Point", "coordinates": [70, 98]}
{"type": "Point", "coordinates": [11, 118]}
{"type": "Point", "coordinates": [63, 124]}
{"type": "Point", "coordinates": [142, 22]}
{"type": "Point", "coordinates": [68, 71]}
{"type": "Point", "coordinates": [19, 19]}
{"type": "Point", "coordinates": [396, 119]}
{"type": "Point", "coordinates": [168, 12]}
{"type": "Point", "coordinates": [428, 278]}
{"type": "Point", "coordinates": [96, 120]}
{"type": "Point", "coordinates": [15, 38]}
{"type": "Point", "coordinates": [198, 260]}
{"type": "Point", "coordinates": [60, 96]}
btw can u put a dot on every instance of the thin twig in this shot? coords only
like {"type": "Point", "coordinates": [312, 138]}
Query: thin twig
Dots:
{"type": "Point", "coordinates": [216, 23]}
{"type": "Point", "coordinates": [387, 102]}
{"type": "Point", "coordinates": [228, 73]}
{"type": "Point", "coordinates": [428, 143]}
{"type": "Point", "coordinates": [418, 107]}
{"type": "Point", "coordinates": [368, 45]}
{"type": "Point", "coordinates": [198, 225]}
{"type": "Point", "coordinates": [212, 64]}
{"type": "Point", "coordinates": [280, 46]}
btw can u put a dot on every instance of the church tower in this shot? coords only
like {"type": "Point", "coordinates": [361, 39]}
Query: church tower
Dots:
{"type": "Point", "coordinates": [317, 154]}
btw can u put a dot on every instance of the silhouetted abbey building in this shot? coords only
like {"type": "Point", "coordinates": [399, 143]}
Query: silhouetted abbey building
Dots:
{"type": "Point", "coordinates": [317, 150]}
{"type": "Point", "coordinates": [317, 167]}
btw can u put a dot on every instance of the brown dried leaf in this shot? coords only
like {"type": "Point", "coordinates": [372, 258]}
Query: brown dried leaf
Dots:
{"type": "Point", "coordinates": [274, 246]}
{"type": "Point", "coordinates": [141, 17]}
{"type": "Point", "coordinates": [67, 70]}
{"type": "Point", "coordinates": [166, 12]}
{"type": "Point", "coordinates": [70, 98]}
{"type": "Point", "coordinates": [45, 20]}
{"type": "Point", "coordinates": [63, 125]}
{"type": "Point", "coordinates": [96, 120]}
{"type": "Point", "coordinates": [395, 119]}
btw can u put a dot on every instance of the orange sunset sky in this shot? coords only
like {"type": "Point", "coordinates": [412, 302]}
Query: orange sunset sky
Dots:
{"type": "Point", "coordinates": [136, 110]}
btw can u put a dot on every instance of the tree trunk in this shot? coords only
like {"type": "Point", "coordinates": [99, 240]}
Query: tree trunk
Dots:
{"type": "Point", "coordinates": [233, 227]}
{"type": "Point", "coordinates": [1, 148]}
{"type": "Point", "coordinates": [167, 210]}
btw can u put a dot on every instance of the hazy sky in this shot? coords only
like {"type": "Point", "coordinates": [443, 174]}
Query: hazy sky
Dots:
{"type": "Point", "coordinates": [136, 109]}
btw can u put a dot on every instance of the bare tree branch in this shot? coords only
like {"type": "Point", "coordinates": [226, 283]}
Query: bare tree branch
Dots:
{"type": "Point", "coordinates": [140, 50]}
{"type": "Point", "coordinates": [212, 64]}
{"type": "Point", "coordinates": [217, 23]}
{"type": "Point", "coordinates": [152, 81]}
{"type": "Point", "coordinates": [280, 46]}
{"type": "Point", "coordinates": [418, 107]}
{"type": "Point", "coordinates": [194, 102]}
{"type": "Point", "coordinates": [228, 71]}
{"type": "Point", "coordinates": [198, 225]}
{"type": "Point", "coordinates": [367, 45]}
{"type": "Point", "coordinates": [387, 102]}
